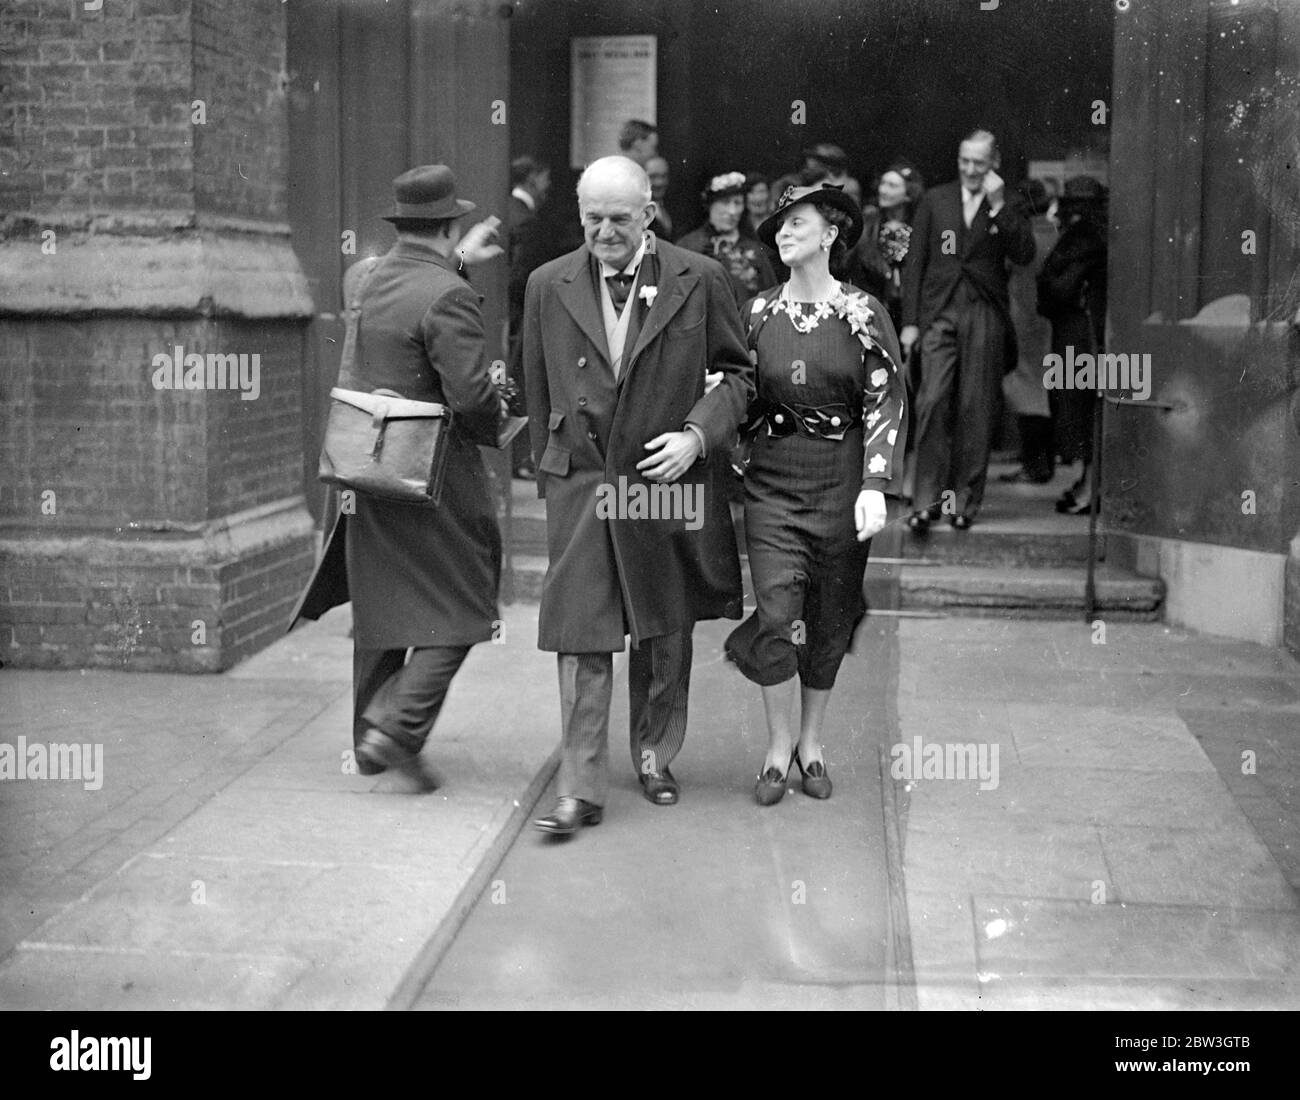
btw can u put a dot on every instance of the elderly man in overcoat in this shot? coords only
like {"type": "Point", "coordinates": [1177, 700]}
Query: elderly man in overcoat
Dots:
{"type": "Point", "coordinates": [422, 579]}
{"type": "Point", "coordinates": [631, 440]}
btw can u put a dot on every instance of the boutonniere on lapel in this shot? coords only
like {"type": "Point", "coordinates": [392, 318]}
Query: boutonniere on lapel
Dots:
{"type": "Point", "coordinates": [647, 294]}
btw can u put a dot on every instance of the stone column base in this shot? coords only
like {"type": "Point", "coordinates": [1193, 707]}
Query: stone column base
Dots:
{"type": "Point", "coordinates": [196, 603]}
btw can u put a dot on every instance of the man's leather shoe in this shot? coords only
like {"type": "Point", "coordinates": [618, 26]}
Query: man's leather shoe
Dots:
{"type": "Point", "coordinates": [378, 752]}
{"type": "Point", "coordinates": [659, 787]}
{"type": "Point", "coordinates": [962, 522]}
{"type": "Point", "coordinates": [568, 815]}
{"type": "Point", "coordinates": [919, 522]}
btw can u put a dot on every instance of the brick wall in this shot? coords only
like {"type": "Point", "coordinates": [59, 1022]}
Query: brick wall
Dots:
{"type": "Point", "coordinates": [241, 154]}
{"type": "Point", "coordinates": [74, 609]}
{"type": "Point", "coordinates": [94, 106]}
{"type": "Point", "coordinates": [169, 507]}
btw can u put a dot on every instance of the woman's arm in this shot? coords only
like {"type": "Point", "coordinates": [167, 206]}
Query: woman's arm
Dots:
{"type": "Point", "coordinates": [884, 402]}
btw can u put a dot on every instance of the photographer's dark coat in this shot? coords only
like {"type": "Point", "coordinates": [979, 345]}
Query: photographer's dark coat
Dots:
{"type": "Point", "coordinates": [420, 575]}
{"type": "Point", "coordinates": [616, 576]}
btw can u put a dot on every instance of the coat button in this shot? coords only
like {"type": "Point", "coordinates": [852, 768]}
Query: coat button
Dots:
{"type": "Point", "coordinates": [582, 400]}
{"type": "Point", "coordinates": [582, 360]}
{"type": "Point", "coordinates": [778, 418]}
{"type": "Point", "coordinates": [835, 421]}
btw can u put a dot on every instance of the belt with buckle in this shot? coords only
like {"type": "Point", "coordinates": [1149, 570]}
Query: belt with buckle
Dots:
{"type": "Point", "coordinates": [824, 421]}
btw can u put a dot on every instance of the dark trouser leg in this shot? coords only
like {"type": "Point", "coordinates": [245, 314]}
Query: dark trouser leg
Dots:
{"type": "Point", "coordinates": [982, 346]}
{"type": "Point", "coordinates": [658, 683]}
{"type": "Point", "coordinates": [406, 705]}
{"type": "Point", "coordinates": [586, 685]}
{"type": "Point", "coordinates": [371, 668]}
{"type": "Point", "coordinates": [934, 413]}
{"type": "Point", "coordinates": [1036, 446]}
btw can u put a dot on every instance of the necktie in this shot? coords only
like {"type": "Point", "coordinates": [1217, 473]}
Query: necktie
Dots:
{"type": "Point", "coordinates": [620, 286]}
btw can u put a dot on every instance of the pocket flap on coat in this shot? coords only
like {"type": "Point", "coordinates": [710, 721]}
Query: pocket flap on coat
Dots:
{"type": "Point", "coordinates": [555, 460]}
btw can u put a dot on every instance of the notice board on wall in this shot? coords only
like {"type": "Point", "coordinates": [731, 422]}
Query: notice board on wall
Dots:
{"type": "Point", "coordinates": [611, 79]}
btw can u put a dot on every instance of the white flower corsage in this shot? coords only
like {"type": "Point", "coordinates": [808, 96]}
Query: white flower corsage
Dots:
{"type": "Point", "coordinates": [647, 294]}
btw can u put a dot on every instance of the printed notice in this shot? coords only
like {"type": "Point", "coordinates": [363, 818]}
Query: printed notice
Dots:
{"type": "Point", "coordinates": [612, 79]}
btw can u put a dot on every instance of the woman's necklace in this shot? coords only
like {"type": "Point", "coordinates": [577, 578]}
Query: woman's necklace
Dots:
{"type": "Point", "coordinates": [806, 322]}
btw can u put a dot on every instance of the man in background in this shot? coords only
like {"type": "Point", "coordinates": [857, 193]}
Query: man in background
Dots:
{"type": "Point", "coordinates": [663, 226]}
{"type": "Point", "coordinates": [638, 140]}
{"type": "Point", "coordinates": [955, 301]}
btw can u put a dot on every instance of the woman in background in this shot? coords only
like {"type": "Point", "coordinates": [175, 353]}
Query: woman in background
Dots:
{"type": "Point", "coordinates": [886, 234]}
{"type": "Point", "coordinates": [1072, 295]}
{"type": "Point", "coordinates": [723, 237]}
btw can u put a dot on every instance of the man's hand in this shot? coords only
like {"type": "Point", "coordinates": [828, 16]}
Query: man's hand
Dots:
{"type": "Point", "coordinates": [994, 188]}
{"type": "Point", "coordinates": [907, 338]}
{"type": "Point", "coordinates": [480, 242]}
{"type": "Point", "coordinates": [673, 454]}
{"type": "Point", "coordinates": [869, 513]}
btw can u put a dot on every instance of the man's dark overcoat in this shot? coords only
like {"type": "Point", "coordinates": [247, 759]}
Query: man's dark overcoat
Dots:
{"type": "Point", "coordinates": [617, 575]}
{"type": "Point", "coordinates": [420, 575]}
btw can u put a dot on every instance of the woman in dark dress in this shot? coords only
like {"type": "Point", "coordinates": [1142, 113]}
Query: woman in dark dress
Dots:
{"type": "Point", "coordinates": [827, 426]}
{"type": "Point", "coordinates": [886, 235]}
{"type": "Point", "coordinates": [723, 237]}
{"type": "Point", "coordinates": [1072, 295]}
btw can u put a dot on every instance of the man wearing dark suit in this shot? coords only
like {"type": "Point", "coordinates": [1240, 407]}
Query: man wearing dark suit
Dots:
{"type": "Point", "coordinates": [955, 302]}
{"type": "Point", "coordinates": [618, 338]}
{"type": "Point", "coordinates": [664, 227]}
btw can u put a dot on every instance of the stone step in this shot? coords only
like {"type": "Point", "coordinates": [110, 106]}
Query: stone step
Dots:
{"type": "Point", "coordinates": [1003, 544]}
{"type": "Point", "coordinates": [995, 543]}
{"type": "Point", "coordinates": [1041, 592]}
{"type": "Point", "coordinates": [994, 591]}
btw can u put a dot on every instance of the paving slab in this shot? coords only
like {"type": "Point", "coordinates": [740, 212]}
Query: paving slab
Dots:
{"type": "Point", "coordinates": [288, 880]}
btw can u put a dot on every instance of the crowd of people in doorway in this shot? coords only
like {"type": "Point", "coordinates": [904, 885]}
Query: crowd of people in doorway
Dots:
{"type": "Point", "coordinates": [999, 276]}
{"type": "Point", "coordinates": [793, 337]}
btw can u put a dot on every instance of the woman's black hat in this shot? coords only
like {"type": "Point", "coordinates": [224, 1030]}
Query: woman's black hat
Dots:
{"type": "Point", "coordinates": [828, 193]}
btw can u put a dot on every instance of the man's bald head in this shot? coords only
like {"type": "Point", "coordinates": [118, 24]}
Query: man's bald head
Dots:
{"type": "Point", "coordinates": [615, 174]}
{"type": "Point", "coordinates": [616, 209]}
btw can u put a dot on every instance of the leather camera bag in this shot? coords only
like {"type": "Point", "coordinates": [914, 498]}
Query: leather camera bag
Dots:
{"type": "Point", "coordinates": [385, 446]}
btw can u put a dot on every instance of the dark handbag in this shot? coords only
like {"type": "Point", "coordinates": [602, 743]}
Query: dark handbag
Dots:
{"type": "Point", "coordinates": [386, 446]}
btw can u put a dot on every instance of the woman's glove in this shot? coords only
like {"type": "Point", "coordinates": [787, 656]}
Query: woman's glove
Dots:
{"type": "Point", "coordinates": [869, 513]}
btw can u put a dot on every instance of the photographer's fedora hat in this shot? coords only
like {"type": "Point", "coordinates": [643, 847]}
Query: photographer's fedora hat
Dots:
{"type": "Point", "coordinates": [427, 193]}
{"type": "Point", "coordinates": [829, 193]}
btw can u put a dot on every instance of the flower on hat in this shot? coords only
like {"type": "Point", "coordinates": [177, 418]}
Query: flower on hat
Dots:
{"type": "Point", "coordinates": [728, 181]}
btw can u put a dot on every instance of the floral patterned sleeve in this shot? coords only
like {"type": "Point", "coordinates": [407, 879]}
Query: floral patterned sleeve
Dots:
{"type": "Point", "coordinates": [884, 401]}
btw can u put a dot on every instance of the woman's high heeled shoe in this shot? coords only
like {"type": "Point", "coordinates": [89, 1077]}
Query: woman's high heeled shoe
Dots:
{"type": "Point", "coordinates": [770, 788]}
{"type": "Point", "coordinates": [816, 783]}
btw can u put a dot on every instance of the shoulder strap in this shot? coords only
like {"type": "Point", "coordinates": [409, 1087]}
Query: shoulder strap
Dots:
{"type": "Point", "coordinates": [352, 323]}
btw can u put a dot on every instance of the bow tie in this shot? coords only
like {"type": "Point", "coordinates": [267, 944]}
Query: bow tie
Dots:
{"type": "Point", "coordinates": [620, 286]}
